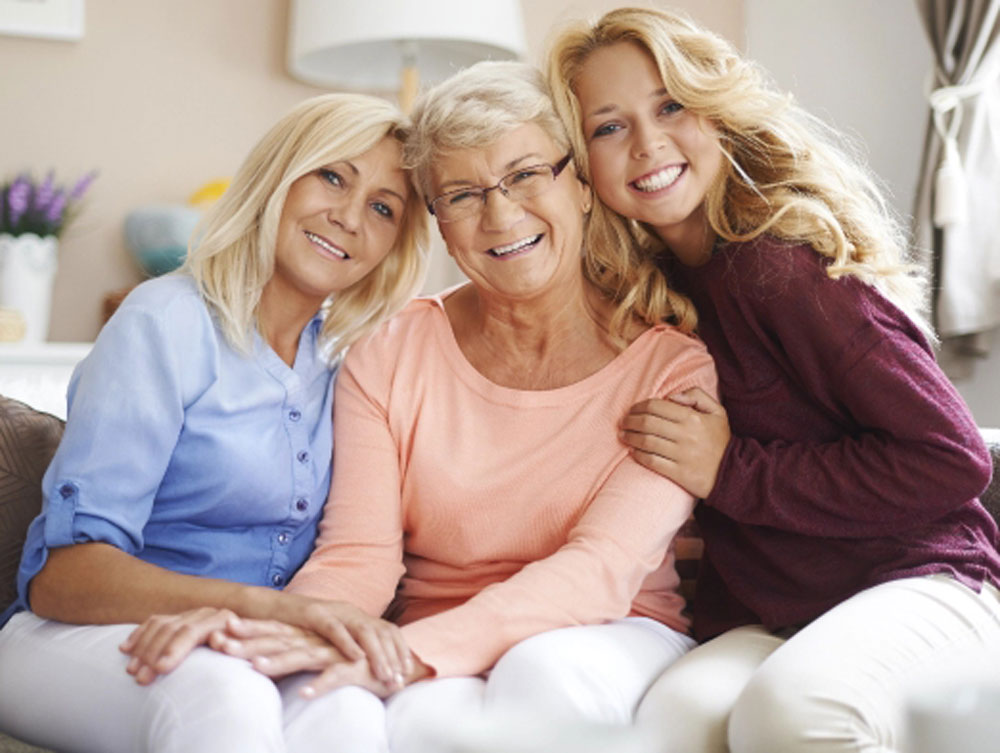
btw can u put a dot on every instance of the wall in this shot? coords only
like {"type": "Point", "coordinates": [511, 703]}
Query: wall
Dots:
{"type": "Point", "coordinates": [162, 97]}
{"type": "Point", "coordinates": [863, 65]}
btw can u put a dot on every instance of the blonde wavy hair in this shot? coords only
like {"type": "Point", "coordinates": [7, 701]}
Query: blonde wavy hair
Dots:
{"type": "Point", "coordinates": [232, 254]}
{"type": "Point", "coordinates": [784, 172]}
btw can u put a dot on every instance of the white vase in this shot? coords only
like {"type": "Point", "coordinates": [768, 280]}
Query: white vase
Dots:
{"type": "Point", "coordinates": [27, 272]}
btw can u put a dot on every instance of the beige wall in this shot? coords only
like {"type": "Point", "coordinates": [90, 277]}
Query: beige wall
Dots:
{"type": "Point", "coordinates": [162, 97]}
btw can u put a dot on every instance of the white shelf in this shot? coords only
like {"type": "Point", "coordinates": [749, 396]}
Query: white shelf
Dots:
{"type": "Point", "coordinates": [38, 373]}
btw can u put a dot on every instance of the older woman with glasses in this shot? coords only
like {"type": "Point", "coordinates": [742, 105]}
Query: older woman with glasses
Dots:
{"type": "Point", "coordinates": [481, 497]}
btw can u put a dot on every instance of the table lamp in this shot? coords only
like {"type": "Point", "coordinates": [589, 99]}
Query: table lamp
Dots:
{"type": "Point", "coordinates": [391, 45]}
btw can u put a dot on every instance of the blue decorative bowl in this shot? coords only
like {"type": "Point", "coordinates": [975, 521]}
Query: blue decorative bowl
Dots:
{"type": "Point", "coordinates": [157, 236]}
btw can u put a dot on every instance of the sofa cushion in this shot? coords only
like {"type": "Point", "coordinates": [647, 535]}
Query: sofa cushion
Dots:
{"type": "Point", "coordinates": [991, 497]}
{"type": "Point", "coordinates": [28, 439]}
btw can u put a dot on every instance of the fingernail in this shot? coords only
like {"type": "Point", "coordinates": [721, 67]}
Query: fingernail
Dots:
{"type": "Point", "coordinates": [262, 661]}
{"type": "Point", "coordinates": [308, 691]}
{"type": "Point", "coordinates": [398, 679]}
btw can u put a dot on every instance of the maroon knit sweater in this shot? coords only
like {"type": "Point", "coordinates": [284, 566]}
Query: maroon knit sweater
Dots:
{"type": "Point", "coordinates": [853, 459]}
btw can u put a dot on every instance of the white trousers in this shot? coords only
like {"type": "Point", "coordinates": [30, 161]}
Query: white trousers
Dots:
{"type": "Point", "coordinates": [586, 675]}
{"type": "Point", "coordinates": [65, 687]}
{"type": "Point", "coordinates": [839, 684]}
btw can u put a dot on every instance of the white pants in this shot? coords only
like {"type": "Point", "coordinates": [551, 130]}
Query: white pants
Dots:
{"type": "Point", "coordinates": [65, 687]}
{"type": "Point", "coordinates": [837, 685]}
{"type": "Point", "coordinates": [592, 674]}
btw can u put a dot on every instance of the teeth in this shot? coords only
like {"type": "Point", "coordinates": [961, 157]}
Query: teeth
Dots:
{"type": "Point", "coordinates": [325, 244]}
{"type": "Point", "coordinates": [658, 180]}
{"type": "Point", "coordinates": [515, 246]}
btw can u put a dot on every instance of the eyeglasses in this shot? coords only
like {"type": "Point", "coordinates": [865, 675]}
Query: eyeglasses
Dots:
{"type": "Point", "coordinates": [523, 183]}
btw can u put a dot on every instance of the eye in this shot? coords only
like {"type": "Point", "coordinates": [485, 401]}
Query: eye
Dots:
{"type": "Point", "coordinates": [331, 176]}
{"type": "Point", "coordinates": [383, 209]}
{"type": "Point", "coordinates": [460, 197]}
{"type": "Point", "coordinates": [671, 107]}
{"type": "Point", "coordinates": [527, 174]}
{"type": "Point", "coordinates": [605, 129]}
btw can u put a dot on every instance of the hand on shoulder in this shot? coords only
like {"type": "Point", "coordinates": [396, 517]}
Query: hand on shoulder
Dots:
{"type": "Point", "coordinates": [683, 438]}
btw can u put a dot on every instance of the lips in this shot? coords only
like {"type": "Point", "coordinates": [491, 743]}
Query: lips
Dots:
{"type": "Point", "coordinates": [327, 246]}
{"type": "Point", "coordinates": [515, 248]}
{"type": "Point", "coordinates": [658, 179]}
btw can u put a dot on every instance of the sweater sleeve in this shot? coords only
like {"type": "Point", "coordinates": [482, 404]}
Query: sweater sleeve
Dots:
{"type": "Point", "coordinates": [906, 449]}
{"type": "Point", "coordinates": [592, 578]}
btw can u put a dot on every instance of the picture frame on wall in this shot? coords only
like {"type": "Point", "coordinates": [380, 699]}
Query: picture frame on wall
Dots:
{"type": "Point", "coordinates": [44, 19]}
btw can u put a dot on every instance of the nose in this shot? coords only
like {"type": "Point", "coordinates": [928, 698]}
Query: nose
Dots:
{"type": "Point", "coordinates": [348, 212]}
{"type": "Point", "coordinates": [500, 212]}
{"type": "Point", "coordinates": [647, 139]}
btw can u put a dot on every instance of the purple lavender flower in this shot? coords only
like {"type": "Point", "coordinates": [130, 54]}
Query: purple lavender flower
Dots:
{"type": "Point", "coordinates": [18, 197]}
{"type": "Point", "coordinates": [43, 209]}
{"type": "Point", "coordinates": [82, 185]}
{"type": "Point", "coordinates": [45, 192]}
{"type": "Point", "coordinates": [53, 213]}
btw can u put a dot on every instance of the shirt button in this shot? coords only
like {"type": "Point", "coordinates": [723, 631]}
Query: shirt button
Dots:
{"type": "Point", "coordinates": [303, 456]}
{"type": "Point", "coordinates": [282, 538]}
{"type": "Point", "coordinates": [301, 504]}
{"type": "Point", "coordinates": [66, 491]}
{"type": "Point", "coordinates": [294, 415]}
{"type": "Point", "coordinates": [276, 579]}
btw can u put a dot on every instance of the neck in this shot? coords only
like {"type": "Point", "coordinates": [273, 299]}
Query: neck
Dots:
{"type": "Point", "coordinates": [281, 319]}
{"type": "Point", "coordinates": [692, 245]}
{"type": "Point", "coordinates": [539, 343]}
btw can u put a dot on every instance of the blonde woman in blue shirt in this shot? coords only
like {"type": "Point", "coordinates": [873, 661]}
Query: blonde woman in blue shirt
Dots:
{"type": "Point", "coordinates": [196, 460]}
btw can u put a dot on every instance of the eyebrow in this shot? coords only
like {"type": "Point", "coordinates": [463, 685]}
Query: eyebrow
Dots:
{"type": "Point", "coordinates": [394, 193]}
{"type": "Point", "coordinates": [350, 164]}
{"type": "Point", "coordinates": [508, 168]}
{"type": "Point", "coordinates": [661, 92]}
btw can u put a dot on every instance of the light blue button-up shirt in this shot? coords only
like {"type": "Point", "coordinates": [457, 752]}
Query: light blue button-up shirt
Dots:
{"type": "Point", "coordinates": [185, 452]}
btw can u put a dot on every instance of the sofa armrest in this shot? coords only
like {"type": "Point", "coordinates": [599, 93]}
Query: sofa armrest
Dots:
{"type": "Point", "coordinates": [28, 439]}
{"type": "Point", "coordinates": [991, 497]}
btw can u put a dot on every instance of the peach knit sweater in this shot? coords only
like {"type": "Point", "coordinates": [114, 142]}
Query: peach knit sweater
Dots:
{"type": "Point", "coordinates": [486, 514]}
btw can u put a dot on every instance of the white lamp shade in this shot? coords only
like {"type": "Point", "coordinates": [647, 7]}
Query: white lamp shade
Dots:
{"type": "Point", "coordinates": [360, 44]}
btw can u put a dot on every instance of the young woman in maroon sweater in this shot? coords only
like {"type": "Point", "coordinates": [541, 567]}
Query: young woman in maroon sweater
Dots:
{"type": "Point", "coordinates": [845, 549]}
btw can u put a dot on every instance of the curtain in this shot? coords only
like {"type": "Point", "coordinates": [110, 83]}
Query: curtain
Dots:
{"type": "Point", "coordinates": [957, 213]}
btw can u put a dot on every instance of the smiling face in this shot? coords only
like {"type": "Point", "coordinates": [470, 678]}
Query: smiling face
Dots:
{"type": "Point", "coordinates": [514, 250]}
{"type": "Point", "coordinates": [650, 159]}
{"type": "Point", "coordinates": [338, 223]}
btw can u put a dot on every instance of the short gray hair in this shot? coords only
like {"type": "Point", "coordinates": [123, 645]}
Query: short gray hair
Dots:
{"type": "Point", "coordinates": [474, 108]}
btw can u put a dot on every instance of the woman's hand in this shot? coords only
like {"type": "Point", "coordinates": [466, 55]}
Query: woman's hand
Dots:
{"type": "Point", "coordinates": [277, 649]}
{"type": "Point", "coordinates": [682, 438]}
{"type": "Point", "coordinates": [163, 641]}
{"type": "Point", "coordinates": [354, 634]}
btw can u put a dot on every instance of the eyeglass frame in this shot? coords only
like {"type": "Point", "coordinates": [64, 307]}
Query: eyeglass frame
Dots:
{"type": "Point", "coordinates": [556, 170]}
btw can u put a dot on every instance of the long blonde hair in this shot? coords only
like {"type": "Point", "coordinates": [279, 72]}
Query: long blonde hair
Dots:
{"type": "Point", "coordinates": [784, 173]}
{"type": "Point", "coordinates": [232, 255]}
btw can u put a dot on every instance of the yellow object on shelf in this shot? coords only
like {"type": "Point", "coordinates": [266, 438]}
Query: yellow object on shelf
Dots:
{"type": "Point", "coordinates": [209, 192]}
{"type": "Point", "coordinates": [12, 325]}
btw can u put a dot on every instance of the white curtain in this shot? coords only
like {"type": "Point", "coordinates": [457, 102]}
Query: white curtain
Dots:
{"type": "Point", "coordinates": [957, 214]}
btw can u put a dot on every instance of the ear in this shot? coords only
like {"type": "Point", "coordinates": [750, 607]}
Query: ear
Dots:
{"type": "Point", "coordinates": [587, 196]}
